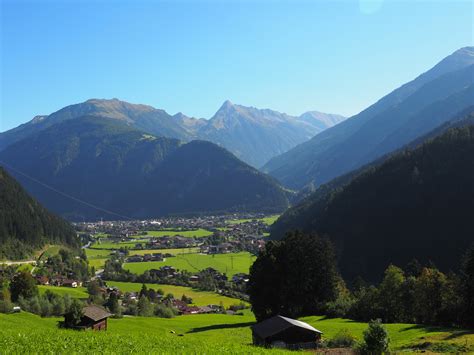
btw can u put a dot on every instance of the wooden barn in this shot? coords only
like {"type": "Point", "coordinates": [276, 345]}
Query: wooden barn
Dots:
{"type": "Point", "coordinates": [94, 317]}
{"type": "Point", "coordinates": [280, 331]}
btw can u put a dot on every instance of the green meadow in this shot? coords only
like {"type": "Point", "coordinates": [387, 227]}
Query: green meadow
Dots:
{"type": "Point", "coordinates": [230, 264]}
{"type": "Point", "coordinates": [209, 334]}
{"type": "Point", "coordinates": [25, 267]}
{"type": "Point", "coordinates": [113, 245]}
{"type": "Point", "coordinates": [175, 251]}
{"type": "Point", "coordinates": [49, 250]}
{"type": "Point", "coordinates": [97, 257]}
{"type": "Point", "coordinates": [200, 298]}
{"type": "Point", "coordinates": [192, 233]}
{"type": "Point", "coordinates": [267, 220]}
{"type": "Point", "coordinates": [79, 292]}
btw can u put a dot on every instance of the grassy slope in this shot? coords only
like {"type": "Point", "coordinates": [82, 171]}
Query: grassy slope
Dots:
{"type": "Point", "coordinates": [211, 334]}
{"type": "Point", "coordinates": [79, 292]}
{"type": "Point", "coordinates": [97, 257]}
{"type": "Point", "coordinates": [230, 264]}
{"type": "Point", "coordinates": [200, 298]}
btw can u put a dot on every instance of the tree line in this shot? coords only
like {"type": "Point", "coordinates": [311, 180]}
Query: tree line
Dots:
{"type": "Point", "coordinates": [298, 276]}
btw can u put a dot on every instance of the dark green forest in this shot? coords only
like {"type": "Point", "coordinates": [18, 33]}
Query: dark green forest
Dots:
{"type": "Point", "coordinates": [26, 226]}
{"type": "Point", "coordinates": [416, 204]}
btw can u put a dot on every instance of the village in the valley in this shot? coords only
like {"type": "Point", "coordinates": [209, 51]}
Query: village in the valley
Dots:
{"type": "Point", "coordinates": [178, 259]}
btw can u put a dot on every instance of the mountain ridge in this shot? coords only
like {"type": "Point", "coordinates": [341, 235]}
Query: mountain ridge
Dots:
{"type": "Point", "coordinates": [218, 129]}
{"type": "Point", "coordinates": [354, 142]}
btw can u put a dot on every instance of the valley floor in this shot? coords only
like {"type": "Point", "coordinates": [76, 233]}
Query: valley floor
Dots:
{"type": "Point", "coordinates": [210, 334]}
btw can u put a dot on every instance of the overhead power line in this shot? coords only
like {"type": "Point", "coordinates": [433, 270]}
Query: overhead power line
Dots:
{"type": "Point", "coordinates": [85, 203]}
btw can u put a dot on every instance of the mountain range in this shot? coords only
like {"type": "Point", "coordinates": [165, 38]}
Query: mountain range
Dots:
{"type": "Point", "coordinates": [91, 167]}
{"type": "Point", "coordinates": [414, 204]}
{"type": "Point", "coordinates": [408, 112]}
{"type": "Point", "coordinates": [253, 135]}
{"type": "Point", "coordinates": [25, 225]}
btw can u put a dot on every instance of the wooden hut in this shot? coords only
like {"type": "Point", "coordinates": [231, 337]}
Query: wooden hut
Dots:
{"type": "Point", "coordinates": [94, 317]}
{"type": "Point", "coordinates": [280, 331]}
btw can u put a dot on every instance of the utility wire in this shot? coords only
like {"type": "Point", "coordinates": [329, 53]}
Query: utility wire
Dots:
{"type": "Point", "coordinates": [65, 194]}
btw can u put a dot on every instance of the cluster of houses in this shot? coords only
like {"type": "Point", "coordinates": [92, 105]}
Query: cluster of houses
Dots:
{"type": "Point", "coordinates": [180, 305]}
{"type": "Point", "coordinates": [129, 228]}
{"type": "Point", "coordinates": [168, 242]}
{"type": "Point", "coordinates": [57, 281]}
{"type": "Point", "coordinates": [148, 257]}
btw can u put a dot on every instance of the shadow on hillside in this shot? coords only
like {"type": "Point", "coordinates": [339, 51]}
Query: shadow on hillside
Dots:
{"type": "Point", "coordinates": [455, 333]}
{"type": "Point", "coordinates": [221, 326]}
{"type": "Point", "coordinates": [459, 333]}
{"type": "Point", "coordinates": [427, 328]}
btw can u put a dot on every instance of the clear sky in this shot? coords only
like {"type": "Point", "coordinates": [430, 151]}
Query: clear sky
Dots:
{"type": "Point", "coordinates": [190, 56]}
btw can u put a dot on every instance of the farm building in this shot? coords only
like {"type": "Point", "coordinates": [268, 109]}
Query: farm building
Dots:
{"type": "Point", "coordinates": [94, 317]}
{"type": "Point", "coordinates": [280, 331]}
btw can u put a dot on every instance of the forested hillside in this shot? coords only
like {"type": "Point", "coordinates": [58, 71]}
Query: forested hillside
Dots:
{"type": "Point", "coordinates": [117, 171]}
{"type": "Point", "coordinates": [417, 204]}
{"type": "Point", "coordinates": [25, 226]}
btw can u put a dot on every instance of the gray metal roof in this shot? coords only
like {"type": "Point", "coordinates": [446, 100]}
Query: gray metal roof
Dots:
{"type": "Point", "coordinates": [277, 324]}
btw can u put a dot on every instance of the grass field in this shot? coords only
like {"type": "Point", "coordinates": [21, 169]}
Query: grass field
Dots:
{"type": "Point", "coordinates": [164, 251]}
{"type": "Point", "coordinates": [24, 267]}
{"type": "Point", "coordinates": [209, 334]}
{"type": "Point", "coordinates": [200, 298]}
{"type": "Point", "coordinates": [230, 264]}
{"type": "Point", "coordinates": [97, 253]}
{"type": "Point", "coordinates": [97, 257]}
{"type": "Point", "coordinates": [112, 245]}
{"type": "Point", "coordinates": [197, 233]}
{"type": "Point", "coordinates": [267, 220]}
{"type": "Point", "coordinates": [79, 292]}
{"type": "Point", "coordinates": [49, 250]}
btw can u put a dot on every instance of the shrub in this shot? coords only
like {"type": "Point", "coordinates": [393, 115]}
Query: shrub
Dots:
{"type": "Point", "coordinates": [343, 339]}
{"type": "Point", "coordinates": [164, 311]}
{"type": "Point", "coordinates": [6, 306]}
{"type": "Point", "coordinates": [376, 338]}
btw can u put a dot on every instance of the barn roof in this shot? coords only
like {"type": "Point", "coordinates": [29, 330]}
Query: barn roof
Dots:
{"type": "Point", "coordinates": [95, 313]}
{"type": "Point", "coordinates": [277, 324]}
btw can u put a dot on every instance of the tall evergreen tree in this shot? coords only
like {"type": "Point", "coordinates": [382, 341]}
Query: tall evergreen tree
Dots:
{"type": "Point", "coordinates": [24, 285]}
{"type": "Point", "coordinates": [294, 277]}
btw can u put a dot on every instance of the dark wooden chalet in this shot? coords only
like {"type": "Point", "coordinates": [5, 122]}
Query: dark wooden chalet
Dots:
{"type": "Point", "coordinates": [285, 332]}
{"type": "Point", "coordinates": [94, 317]}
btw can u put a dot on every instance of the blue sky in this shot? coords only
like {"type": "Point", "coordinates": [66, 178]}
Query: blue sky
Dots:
{"type": "Point", "coordinates": [190, 56]}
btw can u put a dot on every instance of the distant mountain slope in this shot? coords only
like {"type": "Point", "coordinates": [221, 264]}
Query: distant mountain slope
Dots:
{"type": "Point", "coordinates": [25, 226]}
{"type": "Point", "coordinates": [416, 204]}
{"type": "Point", "coordinates": [117, 168]}
{"type": "Point", "coordinates": [411, 110]}
{"type": "Point", "coordinates": [256, 135]}
{"type": "Point", "coordinates": [143, 117]}
{"type": "Point", "coordinates": [251, 134]}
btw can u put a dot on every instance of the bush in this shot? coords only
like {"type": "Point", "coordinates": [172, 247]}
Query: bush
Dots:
{"type": "Point", "coordinates": [340, 307]}
{"type": "Point", "coordinates": [376, 338]}
{"type": "Point", "coordinates": [164, 311]}
{"type": "Point", "coordinates": [6, 306]}
{"type": "Point", "coordinates": [343, 339]}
